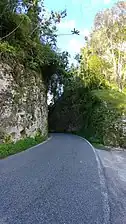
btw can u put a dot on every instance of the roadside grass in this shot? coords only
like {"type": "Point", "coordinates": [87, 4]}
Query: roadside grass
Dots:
{"type": "Point", "coordinates": [100, 146]}
{"type": "Point", "coordinates": [94, 141]}
{"type": "Point", "coordinates": [7, 149]}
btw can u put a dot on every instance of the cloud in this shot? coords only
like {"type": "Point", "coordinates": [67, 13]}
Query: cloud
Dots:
{"type": "Point", "coordinates": [85, 32]}
{"type": "Point", "coordinates": [107, 2]}
{"type": "Point", "coordinates": [68, 24]}
{"type": "Point", "coordinates": [90, 3]}
{"type": "Point", "coordinates": [77, 1]}
{"type": "Point", "coordinates": [75, 45]}
{"type": "Point", "coordinates": [93, 2]}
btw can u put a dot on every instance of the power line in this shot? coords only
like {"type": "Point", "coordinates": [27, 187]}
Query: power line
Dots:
{"type": "Point", "coordinates": [64, 34]}
{"type": "Point", "coordinates": [15, 28]}
{"type": "Point", "coordinates": [12, 30]}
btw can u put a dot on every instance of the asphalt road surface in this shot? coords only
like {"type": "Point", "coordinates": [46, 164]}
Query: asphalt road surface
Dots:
{"type": "Point", "coordinates": [58, 182]}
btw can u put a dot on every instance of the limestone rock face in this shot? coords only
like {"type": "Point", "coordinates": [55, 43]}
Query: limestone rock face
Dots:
{"type": "Point", "coordinates": [23, 103]}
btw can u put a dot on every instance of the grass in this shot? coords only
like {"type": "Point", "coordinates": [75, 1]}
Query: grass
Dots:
{"type": "Point", "coordinates": [7, 149]}
{"type": "Point", "coordinates": [95, 142]}
{"type": "Point", "coordinates": [100, 146]}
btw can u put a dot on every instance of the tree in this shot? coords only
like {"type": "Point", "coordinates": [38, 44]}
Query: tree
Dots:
{"type": "Point", "coordinates": [26, 26]}
{"type": "Point", "coordinates": [108, 39]}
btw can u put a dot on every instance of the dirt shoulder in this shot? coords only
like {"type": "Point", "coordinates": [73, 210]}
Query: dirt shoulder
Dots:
{"type": "Point", "coordinates": [114, 166]}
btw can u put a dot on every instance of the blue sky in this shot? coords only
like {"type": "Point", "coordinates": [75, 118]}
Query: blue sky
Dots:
{"type": "Point", "coordinates": [80, 14]}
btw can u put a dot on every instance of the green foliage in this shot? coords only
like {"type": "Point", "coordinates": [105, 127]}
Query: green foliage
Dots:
{"type": "Point", "coordinates": [38, 136]}
{"type": "Point", "coordinates": [108, 42]}
{"type": "Point", "coordinates": [94, 114]}
{"type": "Point", "coordinates": [31, 38]}
{"type": "Point", "coordinates": [6, 47]}
{"type": "Point", "coordinates": [113, 98]}
{"type": "Point", "coordinates": [8, 148]}
{"type": "Point", "coordinates": [84, 101]}
{"type": "Point", "coordinates": [7, 139]}
{"type": "Point", "coordinates": [2, 133]}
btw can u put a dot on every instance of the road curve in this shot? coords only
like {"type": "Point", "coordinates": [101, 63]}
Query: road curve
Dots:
{"type": "Point", "coordinates": [55, 183]}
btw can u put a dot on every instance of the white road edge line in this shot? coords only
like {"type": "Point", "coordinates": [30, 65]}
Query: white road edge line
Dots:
{"type": "Point", "coordinates": [48, 139]}
{"type": "Point", "coordinates": [25, 151]}
{"type": "Point", "coordinates": [104, 191]}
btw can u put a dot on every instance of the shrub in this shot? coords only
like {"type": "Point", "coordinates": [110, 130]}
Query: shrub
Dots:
{"type": "Point", "coordinates": [7, 149]}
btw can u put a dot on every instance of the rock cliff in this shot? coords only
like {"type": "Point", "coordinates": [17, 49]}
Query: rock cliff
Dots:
{"type": "Point", "coordinates": [23, 103]}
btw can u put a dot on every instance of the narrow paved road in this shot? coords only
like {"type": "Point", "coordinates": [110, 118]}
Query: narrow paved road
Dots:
{"type": "Point", "coordinates": [55, 183]}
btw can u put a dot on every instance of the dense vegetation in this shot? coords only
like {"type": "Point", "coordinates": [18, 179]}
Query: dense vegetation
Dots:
{"type": "Point", "coordinates": [28, 38]}
{"type": "Point", "coordinates": [93, 103]}
{"type": "Point", "coordinates": [10, 148]}
{"type": "Point", "coordinates": [28, 34]}
{"type": "Point", "coordinates": [88, 99]}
